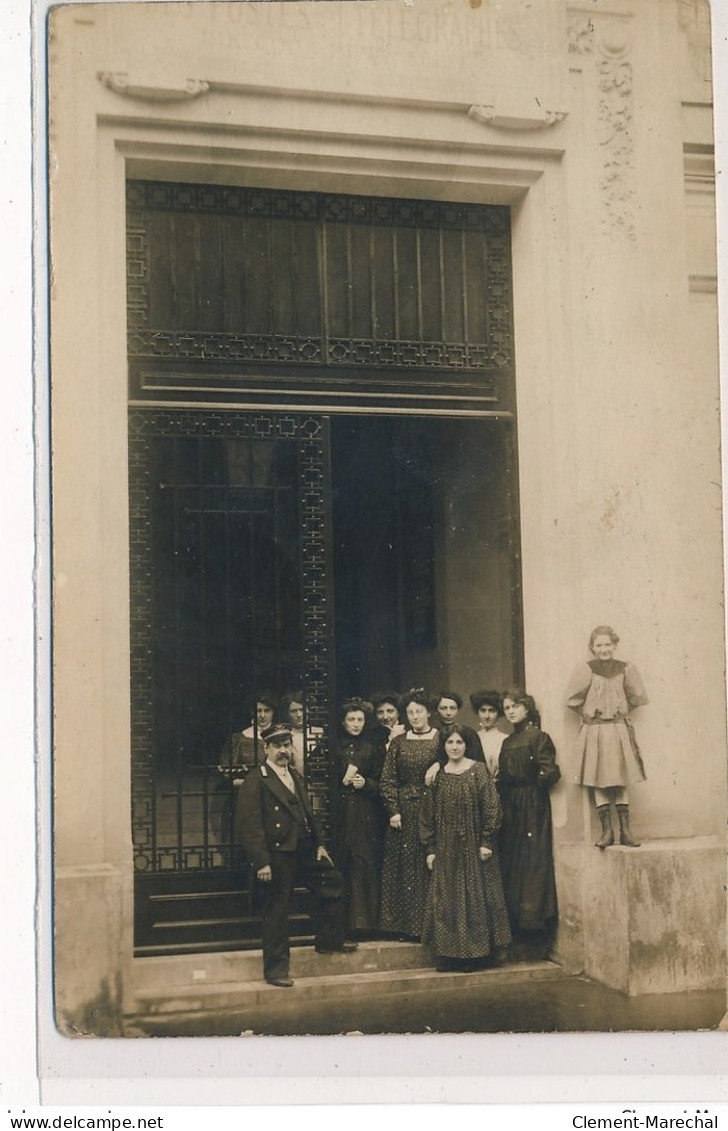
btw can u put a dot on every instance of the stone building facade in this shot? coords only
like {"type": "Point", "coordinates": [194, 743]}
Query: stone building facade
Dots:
{"type": "Point", "coordinates": [584, 132]}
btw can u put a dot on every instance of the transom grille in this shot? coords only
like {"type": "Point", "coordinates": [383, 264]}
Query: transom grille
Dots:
{"type": "Point", "coordinates": [413, 296]}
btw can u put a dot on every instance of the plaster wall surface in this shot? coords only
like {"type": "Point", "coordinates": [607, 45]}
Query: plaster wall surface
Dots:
{"type": "Point", "coordinates": [91, 906]}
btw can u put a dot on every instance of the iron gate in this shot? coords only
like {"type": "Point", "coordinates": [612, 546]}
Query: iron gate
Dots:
{"type": "Point", "coordinates": [230, 595]}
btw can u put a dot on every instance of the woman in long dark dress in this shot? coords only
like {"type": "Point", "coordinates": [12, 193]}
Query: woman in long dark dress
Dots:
{"type": "Point", "coordinates": [526, 771]}
{"type": "Point", "coordinates": [405, 878]}
{"type": "Point", "coordinates": [465, 915]}
{"type": "Point", "coordinates": [360, 817]}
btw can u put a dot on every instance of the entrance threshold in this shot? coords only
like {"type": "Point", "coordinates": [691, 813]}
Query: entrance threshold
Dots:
{"type": "Point", "coordinates": [181, 990]}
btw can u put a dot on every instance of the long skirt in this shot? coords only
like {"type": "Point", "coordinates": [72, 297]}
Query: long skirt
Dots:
{"type": "Point", "coordinates": [405, 877]}
{"type": "Point", "coordinates": [466, 914]}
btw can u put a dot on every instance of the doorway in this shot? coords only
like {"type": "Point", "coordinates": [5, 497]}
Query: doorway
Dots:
{"type": "Point", "coordinates": [339, 555]}
{"type": "Point", "coordinates": [322, 479]}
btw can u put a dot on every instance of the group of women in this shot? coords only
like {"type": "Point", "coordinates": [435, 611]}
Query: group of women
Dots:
{"type": "Point", "coordinates": [444, 833]}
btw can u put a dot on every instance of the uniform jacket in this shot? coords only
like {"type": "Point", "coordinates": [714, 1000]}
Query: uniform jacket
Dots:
{"type": "Point", "coordinates": [265, 818]}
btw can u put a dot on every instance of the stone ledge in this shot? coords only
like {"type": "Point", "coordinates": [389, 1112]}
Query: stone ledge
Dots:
{"type": "Point", "coordinates": [645, 920]}
{"type": "Point", "coordinates": [172, 971]}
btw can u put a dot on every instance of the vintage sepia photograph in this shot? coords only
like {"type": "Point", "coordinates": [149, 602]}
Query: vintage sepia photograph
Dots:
{"type": "Point", "coordinates": [388, 628]}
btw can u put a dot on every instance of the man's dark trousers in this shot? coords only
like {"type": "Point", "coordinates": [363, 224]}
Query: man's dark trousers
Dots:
{"type": "Point", "coordinates": [327, 914]}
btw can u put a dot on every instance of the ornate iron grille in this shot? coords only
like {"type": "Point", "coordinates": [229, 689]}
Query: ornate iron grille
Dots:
{"type": "Point", "coordinates": [196, 482]}
{"type": "Point", "coordinates": [412, 296]}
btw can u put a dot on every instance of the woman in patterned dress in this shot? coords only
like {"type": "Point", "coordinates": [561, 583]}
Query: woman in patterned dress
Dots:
{"type": "Point", "coordinates": [405, 877]}
{"type": "Point", "coordinates": [465, 916]}
{"type": "Point", "coordinates": [526, 771]}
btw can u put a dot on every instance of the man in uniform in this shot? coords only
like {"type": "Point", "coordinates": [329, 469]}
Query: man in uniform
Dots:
{"type": "Point", "coordinates": [282, 838]}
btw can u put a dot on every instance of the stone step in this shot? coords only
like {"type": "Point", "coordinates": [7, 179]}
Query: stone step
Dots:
{"type": "Point", "coordinates": [197, 1000]}
{"type": "Point", "coordinates": [245, 966]}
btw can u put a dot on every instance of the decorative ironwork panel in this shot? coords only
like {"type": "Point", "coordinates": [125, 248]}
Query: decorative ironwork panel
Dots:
{"type": "Point", "coordinates": [498, 303]}
{"type": "Point", "coordinates": [194, 481]}
{"type": "Point", "coordinates": [275, 348]}
{"type": "Point", "coordinates": [272, 204]}
{"type": "Point", "coordinates": [270, 282]}
{"type": "Point", "coordinates": [142, 717]}
{"type": "Point", "coordinates": [316, 599]}
{"type": "Point", "coordinates": [137, 266]}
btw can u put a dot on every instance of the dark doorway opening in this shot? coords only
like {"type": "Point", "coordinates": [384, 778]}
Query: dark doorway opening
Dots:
{"type": "Point", "coordinates": [366, 554]}
{"type": "Point", "coordinates": [426, 564]}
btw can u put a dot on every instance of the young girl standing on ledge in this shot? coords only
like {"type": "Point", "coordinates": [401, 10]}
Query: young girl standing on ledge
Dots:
{"type": "Point", "coordinates": [603, 691]}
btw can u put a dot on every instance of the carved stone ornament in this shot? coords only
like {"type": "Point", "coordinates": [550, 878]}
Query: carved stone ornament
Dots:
{"type": "Point", "coordinates": [607, 41]}
{"type": "Point", "coordinates": [581, 36]}
{"type": "Point", "coordinates": [489, 115]}
{"type": "Point", "coordinates": [185, 91]}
